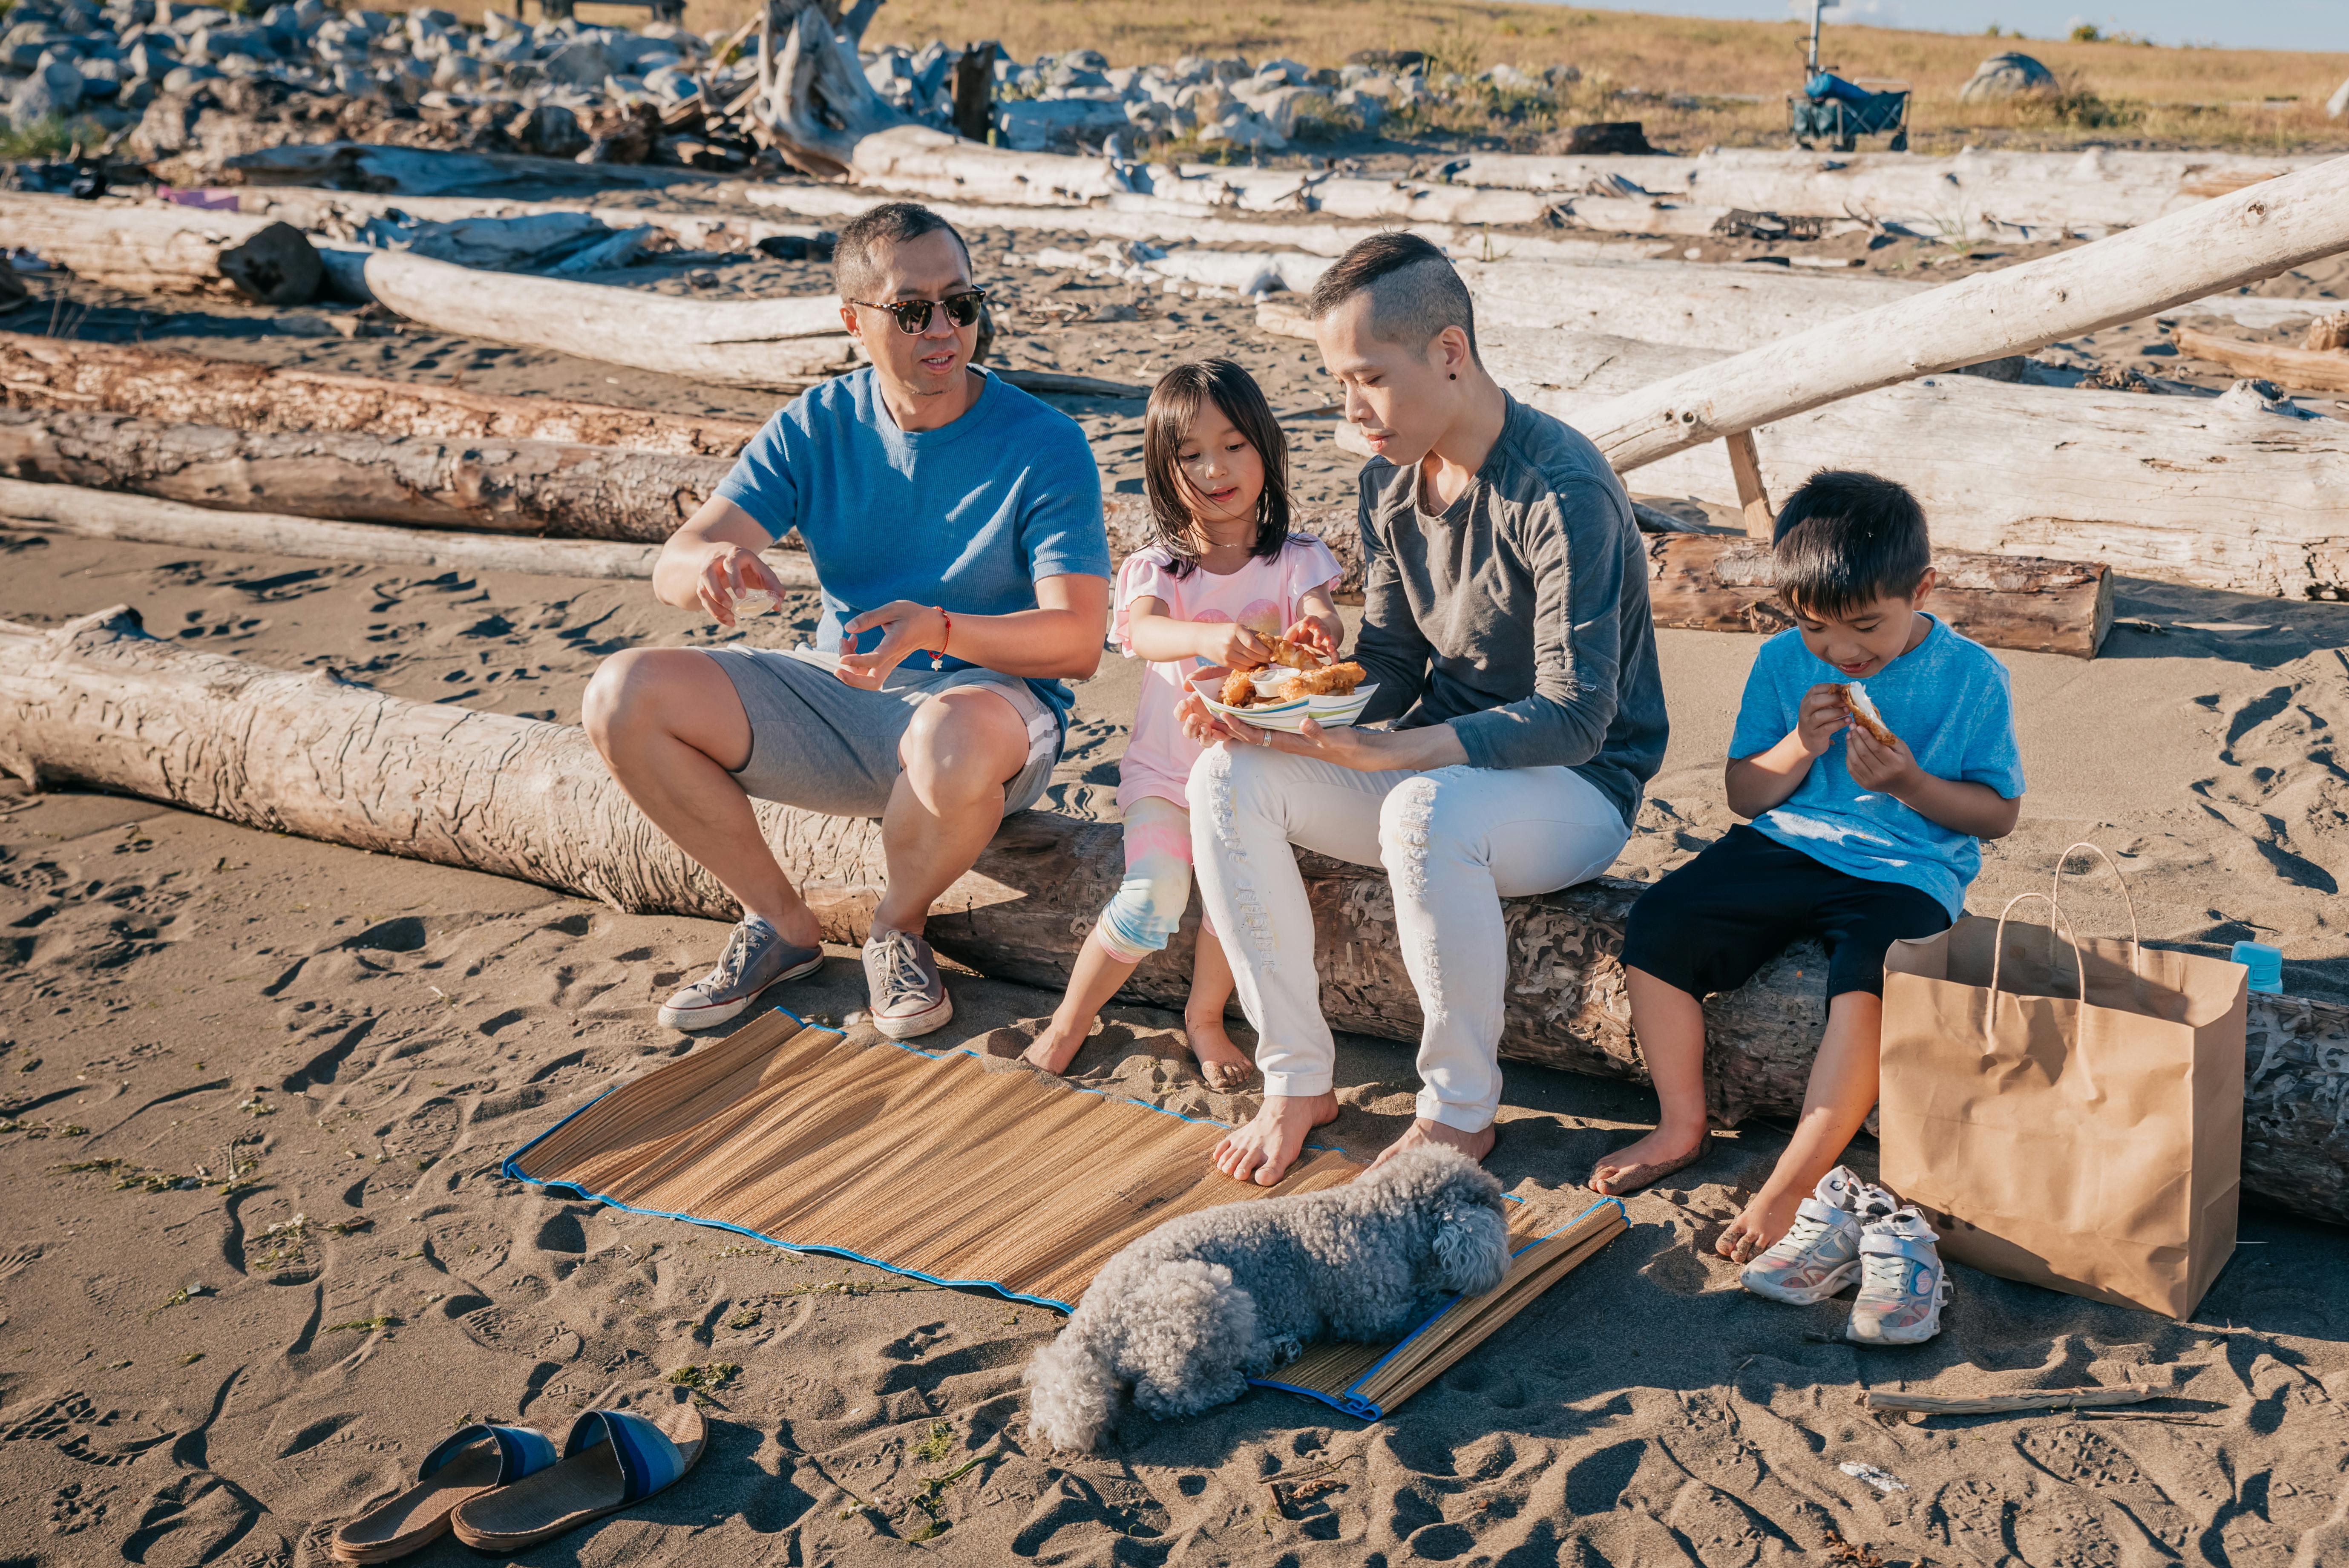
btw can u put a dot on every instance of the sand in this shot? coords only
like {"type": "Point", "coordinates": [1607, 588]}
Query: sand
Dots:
{"type": "Point", "coordinates": [354, 1042]}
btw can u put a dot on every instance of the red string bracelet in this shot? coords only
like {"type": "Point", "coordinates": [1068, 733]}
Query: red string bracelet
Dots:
{"type": "Point", "coordinates": [939, 657]}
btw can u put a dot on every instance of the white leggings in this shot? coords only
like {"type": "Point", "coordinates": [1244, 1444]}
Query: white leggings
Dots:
{"type": "Point", "coordinates": [1142, 918]}
{"type": "Point", "coordinates": [1454, 843]}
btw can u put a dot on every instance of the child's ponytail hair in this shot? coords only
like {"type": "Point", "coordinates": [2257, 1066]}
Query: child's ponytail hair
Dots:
{"type": "Point", "coordinates": [1175, 403]}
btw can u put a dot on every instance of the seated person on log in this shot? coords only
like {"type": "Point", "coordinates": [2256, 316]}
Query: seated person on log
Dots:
{"type": "Point", "coordinates": [955, 522]}
{"type": "Point", "coordinates": [1867, 805]}
{"type": "Point", "coordinates": [1505, 624]}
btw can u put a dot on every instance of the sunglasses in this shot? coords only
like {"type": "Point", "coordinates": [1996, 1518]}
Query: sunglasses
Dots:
{"type": "Point", "coordinates": [914, 315]}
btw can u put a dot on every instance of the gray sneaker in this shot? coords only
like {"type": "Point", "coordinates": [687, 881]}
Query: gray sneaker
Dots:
{"type": "Point", "coordinates": [756, 957]}
{"type": "Point", "coordinates": [901, 973]}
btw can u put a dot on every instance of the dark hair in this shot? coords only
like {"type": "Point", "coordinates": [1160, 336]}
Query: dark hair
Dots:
{"type": "Point", "coordinates": [1414, 291]}
{"type": "Point", "coordinates": [1174, 404]}
{"type": "Point", "coordinates": [856, 262]}
{"type": "Point", "coordinates": [1847, 540]}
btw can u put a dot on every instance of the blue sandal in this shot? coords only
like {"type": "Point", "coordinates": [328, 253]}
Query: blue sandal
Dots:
{"type": "Point", "coordinates": [611, 1460]}
{"type": "Point", "coordinates": [469, 1462]}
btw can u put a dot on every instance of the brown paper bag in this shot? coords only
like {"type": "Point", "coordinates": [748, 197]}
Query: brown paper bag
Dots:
{"type": "Point", "coordinates": [2087, 1138]}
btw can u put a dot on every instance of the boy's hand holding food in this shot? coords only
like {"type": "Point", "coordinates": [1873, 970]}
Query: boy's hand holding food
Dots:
{"type": "Point", "coordinates": [1823, 713]}
{"type": "Point", "coordinates": [1887, 769]}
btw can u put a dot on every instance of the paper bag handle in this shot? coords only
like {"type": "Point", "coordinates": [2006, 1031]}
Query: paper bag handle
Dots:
{"type": "Point", "coordinates": [2055, 894]}
{"type": "Point", "coordinates": [1998, 952]}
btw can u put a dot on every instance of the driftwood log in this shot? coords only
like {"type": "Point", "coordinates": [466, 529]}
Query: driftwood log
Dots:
{"type": "Point", "coordinates": [98, 703]}
{"type": "Point", "coordinates": [165, 249]}
{"type": "Point", "coordinates": [569, 491]}
{"type": "Point", "coordinates": [783, 346]}
{"type": "Point", "coordinates": [2316, 369]}
{"type": "Point", "coordinates": [188, 388]}
{"type": "Point", "coordinates": [563, 488]}
{"type": "Point", "coordinates": [1721, 582]}
{"type": "Point", "coordinates": [2221, 243]}
{"type": "Point", "coordinates": [141, 520]}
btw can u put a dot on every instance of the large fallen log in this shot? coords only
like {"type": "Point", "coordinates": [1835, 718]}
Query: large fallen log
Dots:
{"type": "Point", "coordinates": [157, 250]}
{"type": "Point", "coordinates": [784, 346]}
{"type": "Point", "coordinates": [188, 388]}
{"type": "Point", "coordinates": [97, 704]}
{"type": "Point", "coordinates": [1722, 582]}
{"type": "Point", "coordinates": [2222, 243]}
{"type": "Point", "coordinates": [567, 490]}
{"type": "Point", "coordinates": [1974, 194]}
{"type": "Point", "coordinates": [340, 214]}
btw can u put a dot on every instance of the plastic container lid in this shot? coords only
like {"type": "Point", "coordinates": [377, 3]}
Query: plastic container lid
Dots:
{"type": "Point", "coordinates": [2265, 963]}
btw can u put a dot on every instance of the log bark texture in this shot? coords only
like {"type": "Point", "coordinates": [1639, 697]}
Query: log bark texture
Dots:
{"type": "Point", "coordinates": [2222, 243]}
{"type": "Point", "coordinates": [165, 249]}
{"type": "Point", "coordinates": [563, 489]}
{"type": "Point", "coordinates": [2316, 369]}
{"type": "Point", "coordinates": [98, 703]}
{"type": "Point", "coordinates": [188, 388]}
{"type": "Point", "coordinates": [783, 346]}
{"type": "Point", "coordinates": [1720, 583]}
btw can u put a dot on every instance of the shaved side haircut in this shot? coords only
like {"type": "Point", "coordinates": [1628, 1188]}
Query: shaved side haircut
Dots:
{"type": "Point", "coordinates": [862, 251]}
{"type": "Point", "coordinates": [1414, 292]}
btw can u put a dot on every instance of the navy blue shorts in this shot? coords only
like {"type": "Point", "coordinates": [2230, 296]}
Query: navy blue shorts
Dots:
{"type": "Point", "coordinates": [1712, 925]}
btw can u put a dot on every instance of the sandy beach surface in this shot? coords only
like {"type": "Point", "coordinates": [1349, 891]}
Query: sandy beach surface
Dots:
{"type": "Point", "coordinates": [260, 1259]}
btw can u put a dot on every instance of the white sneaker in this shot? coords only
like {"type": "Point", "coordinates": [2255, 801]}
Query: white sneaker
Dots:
{"type": "Point", "coordinates": [1819, 1254]}
{"type": "Point", "coordinates": [1902, 1285]}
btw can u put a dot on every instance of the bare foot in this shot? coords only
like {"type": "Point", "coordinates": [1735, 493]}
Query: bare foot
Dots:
{"type": "Point", "coordinates": [1263, 1150]}
{"type": "Point", "coordinates": [1056, 1045]}
{"type": "Point", "coordinates": [1652, 1159]}
{"type": "Point", "coordinates": [1223, 1065]}
{"type": "Point", "coordinates": [1770, 1215]}
{"type": "Point", "coordinates": [1476, 1145]}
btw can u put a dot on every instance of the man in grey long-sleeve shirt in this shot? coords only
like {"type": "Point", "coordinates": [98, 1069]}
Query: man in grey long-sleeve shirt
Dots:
{"type": "Point", "coordinates": [1506, 628]}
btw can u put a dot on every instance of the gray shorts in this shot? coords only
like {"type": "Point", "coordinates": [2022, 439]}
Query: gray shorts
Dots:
{"type": "Point", "coordinates": [823, 745]}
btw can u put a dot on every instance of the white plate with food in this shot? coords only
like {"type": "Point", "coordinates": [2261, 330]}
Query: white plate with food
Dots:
{"type": "Point", "coordinates": [1284, 699]}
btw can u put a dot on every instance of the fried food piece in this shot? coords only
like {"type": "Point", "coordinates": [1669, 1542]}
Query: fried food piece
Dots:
{"type": "Point", "coordinates": [1295, 655]}
{"type": "Point", "coordinates": [1862, 709]}
{"type": "Point", "coordinates": [1239, 689]}
{"type": "Point", "coordinates": [1335, 680]}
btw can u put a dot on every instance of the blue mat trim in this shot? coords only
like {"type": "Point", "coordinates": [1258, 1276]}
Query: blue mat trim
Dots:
{"type": "Point", "coordinates": [1366, 1411]}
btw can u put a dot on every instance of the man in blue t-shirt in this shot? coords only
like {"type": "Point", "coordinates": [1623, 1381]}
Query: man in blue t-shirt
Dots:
{"type": "Point", "coordinates": [956, 526]}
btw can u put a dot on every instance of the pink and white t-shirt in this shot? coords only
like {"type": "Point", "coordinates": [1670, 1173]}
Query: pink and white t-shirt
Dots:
{"type": "Point", "coordinates": [1159, 755]}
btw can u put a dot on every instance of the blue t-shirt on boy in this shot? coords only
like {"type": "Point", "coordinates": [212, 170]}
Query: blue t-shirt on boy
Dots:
{"type": "Point", "coordinates": [1947, 699]}
{"type": "Point", "coordinates": [969, 516]}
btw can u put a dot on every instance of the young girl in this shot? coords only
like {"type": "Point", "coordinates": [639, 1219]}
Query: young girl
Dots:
{"type": "Point", "coordinates": [1224, 576]}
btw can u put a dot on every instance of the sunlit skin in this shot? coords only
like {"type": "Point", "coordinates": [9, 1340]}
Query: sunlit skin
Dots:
{"type": "Point", "coordinates": [1428, 404]}
{"type": "Point", "coordinates": [671, 729]}
{"type": "Point", "coordinates": [1221, 479]}
{"type": "Point", "coordinates": [1670, 1022]}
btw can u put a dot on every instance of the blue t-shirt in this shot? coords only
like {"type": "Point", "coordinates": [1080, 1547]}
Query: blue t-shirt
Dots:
{"type": "Point", "coordinates": [968, 516]}
{"type": "Point", "coordinates": [1947, 699]}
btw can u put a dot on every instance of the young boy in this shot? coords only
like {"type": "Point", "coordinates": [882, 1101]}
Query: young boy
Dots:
{"type": "Point", "coordinates": [1854, 840]}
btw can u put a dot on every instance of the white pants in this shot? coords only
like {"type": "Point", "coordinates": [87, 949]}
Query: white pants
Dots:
{"type": "Point", "coordinates": [1454, 841]}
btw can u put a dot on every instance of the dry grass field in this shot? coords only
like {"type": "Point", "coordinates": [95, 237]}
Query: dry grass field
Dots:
{"type": "Point", "coordinates": [1693, 82]}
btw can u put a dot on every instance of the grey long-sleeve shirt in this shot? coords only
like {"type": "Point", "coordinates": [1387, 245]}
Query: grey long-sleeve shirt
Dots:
{"type": "Point", "coordinates": [1520, 616]}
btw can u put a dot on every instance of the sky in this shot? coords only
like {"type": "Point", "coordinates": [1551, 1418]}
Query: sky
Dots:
{"type": "Point", "coordinates": [2319, 25]}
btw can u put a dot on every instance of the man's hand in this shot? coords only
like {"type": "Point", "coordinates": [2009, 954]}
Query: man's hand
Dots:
{"type": "Point", "coordinates": [1887, 770]}
{"type": "Point", "coordinates": [1822, 713]}
{"type": "Point", "coordinates": [906, 628]}
{"type": "Point", "coordinates": [730, 571]}
{"type": "Point", "coordinates": [1233, 647]}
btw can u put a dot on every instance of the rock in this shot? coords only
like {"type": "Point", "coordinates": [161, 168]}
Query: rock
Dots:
{"type": "Point", "coordinates": [1388, 59]}
{"type": "Point", "coordinates": [453, 72]}
{"type": "Point", "coordinates": [548, 130]}
{"type": "Point", "coordinates": [1611, 135]}
{"type": "Point", "coordinates": [2006, 76]}
{"type": "Point", "coordinates": [2338, 104]}
{"type": "Point", "coordinates": [1244, 127]}
{"type": "Point", "coordinates": [212, 45]}
{"type": "Point", "coordinates": [1509, 79]}
{"type": "Point", "coordinates": [150, 60]}
{"type": "Point", "coordinates": [1283, 107]}
{"type": "Point", "coordinates": [22, 46]}
{"type": "Point", "coordinates": [52, 92]}
{"type": "Point", "coordinates": [581, 63]}
{"type": "Point", "coordinates": [1038, 125]}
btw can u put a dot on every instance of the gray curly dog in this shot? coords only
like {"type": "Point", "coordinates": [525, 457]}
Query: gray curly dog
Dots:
{"type": "Point", "coordinates": [1187, 1313]}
